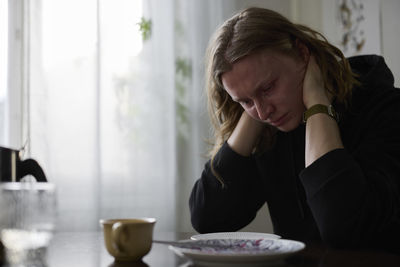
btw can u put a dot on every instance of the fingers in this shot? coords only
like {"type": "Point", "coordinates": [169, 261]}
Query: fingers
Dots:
{"type": "Point", "coordinates": [313, 85]}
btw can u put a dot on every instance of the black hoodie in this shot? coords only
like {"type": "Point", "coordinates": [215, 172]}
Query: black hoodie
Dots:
{"type": "Point", "coordinates": [347, 198]}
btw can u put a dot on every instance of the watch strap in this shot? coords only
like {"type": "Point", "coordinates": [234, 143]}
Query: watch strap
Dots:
{"type": "Point", "coordinates": [319, 108]}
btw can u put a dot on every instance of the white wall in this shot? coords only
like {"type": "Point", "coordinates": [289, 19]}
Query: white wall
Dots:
{"type": "Point", "coordinates": [281, 6]}
{"type": "Point", "coordinates": [390, 20]}
{"type": "Point", "coordinates": [307, 12]}
{"type": "Point", "coordinates": [310, 13]}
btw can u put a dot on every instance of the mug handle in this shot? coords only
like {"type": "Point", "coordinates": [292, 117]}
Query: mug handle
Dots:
{"type": "Point", "coordinates": [30, 166]}
{"type": "Point", "coordinates": [119, 234]}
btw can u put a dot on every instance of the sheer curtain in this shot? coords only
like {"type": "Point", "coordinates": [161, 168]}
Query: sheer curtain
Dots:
{"type": "Point", "coordinates": [196, 21]}
{"type": "Point", "coordinates": [102, 109]}
{"type": "Point", "coordinates": [118, 121]}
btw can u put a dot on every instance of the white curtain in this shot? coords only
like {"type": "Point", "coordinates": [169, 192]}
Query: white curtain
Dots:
{"type": "Point", "coordinates": [102, 109]}
{"type": "Point", "coordinates": [119, 122]}
{"type": "Point", "coordinates": [196, 21]}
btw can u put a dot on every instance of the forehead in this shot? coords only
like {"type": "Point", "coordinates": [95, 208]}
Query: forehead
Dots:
{"type": "Point", "coordinates": [250, 70]}
{"type": "Point", "coordinates": [259, 65]}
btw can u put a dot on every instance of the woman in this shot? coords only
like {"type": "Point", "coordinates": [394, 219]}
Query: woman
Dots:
{"type": "Point", "coordinates": [314, 135]}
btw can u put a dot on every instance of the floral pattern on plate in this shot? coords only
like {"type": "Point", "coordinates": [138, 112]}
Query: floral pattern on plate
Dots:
{"type": "Point", "coordinates": [235, 235]}
{"type": "Point", "coordinates": [236, 252]}
{"type": "Point", "coordinates": [240, 246]}
{"type": "Point", "coordinates": [235, 246]}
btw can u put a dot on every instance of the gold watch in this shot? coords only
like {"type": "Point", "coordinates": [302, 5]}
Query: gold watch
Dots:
{"type": "Point", "coordinates": [319, 108]}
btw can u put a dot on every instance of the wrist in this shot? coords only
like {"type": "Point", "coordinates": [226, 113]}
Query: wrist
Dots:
{"type": "Point", "coordinates": [319, 108]}
{"type": "Point", "coordinates": [321, 98]}
{"type": "Point", "coordinates": [245, 135]}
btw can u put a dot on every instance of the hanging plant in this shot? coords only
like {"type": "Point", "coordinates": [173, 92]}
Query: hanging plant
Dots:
{"type": "Point", "coordinates": [145, 28]}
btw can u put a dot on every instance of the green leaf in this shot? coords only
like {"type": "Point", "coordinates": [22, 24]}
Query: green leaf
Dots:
{"type": "Point", "coordinates": [183, 67]}
{"type": "Point", "coordinates": [145, 28]}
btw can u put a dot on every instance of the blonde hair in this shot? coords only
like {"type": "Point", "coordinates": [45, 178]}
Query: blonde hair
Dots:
{"type": "Point", "coordinates": [255, 29]}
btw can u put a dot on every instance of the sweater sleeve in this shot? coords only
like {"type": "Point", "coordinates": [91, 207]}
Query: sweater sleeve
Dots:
{"type": "Point", "coordinates": [354, 192]}
{"type": "Point", "coordinates": [216, 208]}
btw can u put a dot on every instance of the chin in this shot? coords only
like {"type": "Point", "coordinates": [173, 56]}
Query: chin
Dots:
{"type": "Point", "coordinates": [289, 126]}
{"type": "Point", "coordinates": [285, 129]}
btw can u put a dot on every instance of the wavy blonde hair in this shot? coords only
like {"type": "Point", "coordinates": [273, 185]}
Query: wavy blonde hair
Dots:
{"type": "Point", "coordinates": [255, 29]}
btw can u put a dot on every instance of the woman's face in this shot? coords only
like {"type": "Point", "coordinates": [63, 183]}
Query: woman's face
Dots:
{"type": "Point", "coordinates": [269, 86]}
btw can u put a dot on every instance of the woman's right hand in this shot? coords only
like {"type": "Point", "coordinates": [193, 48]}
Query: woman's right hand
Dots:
{"type": "Point", "coordinates": [245, 135]}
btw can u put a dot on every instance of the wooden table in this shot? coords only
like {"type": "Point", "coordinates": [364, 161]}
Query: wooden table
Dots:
{"type": "Point", "coordinates": [87, 249]}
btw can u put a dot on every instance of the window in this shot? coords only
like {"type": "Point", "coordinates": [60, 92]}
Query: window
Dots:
{"type": "Point", "coordinates": [3, 65]}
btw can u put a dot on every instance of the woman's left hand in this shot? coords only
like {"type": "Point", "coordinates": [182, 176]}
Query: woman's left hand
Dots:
{"type": "Point", "coordinates": [314, 91]}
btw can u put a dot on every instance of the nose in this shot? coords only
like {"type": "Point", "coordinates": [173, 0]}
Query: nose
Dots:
{"type": "Point", "coordinates": [264, 110]}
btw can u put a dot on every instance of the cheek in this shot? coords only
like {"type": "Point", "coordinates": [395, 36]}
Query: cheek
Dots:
{"type": "Point", "coordinates": [252, 113]}
{"type": "Point", "coordinates": [293, 92]}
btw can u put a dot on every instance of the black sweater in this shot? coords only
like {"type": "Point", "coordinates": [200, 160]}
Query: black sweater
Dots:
{"type": "Point", "coordinates": [348, 197]}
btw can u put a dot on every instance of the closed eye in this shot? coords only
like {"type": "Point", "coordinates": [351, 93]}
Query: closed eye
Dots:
{"type": "Point", "coordinates": [245, 103]}
{"type": "Point", "coordinates": [267, 88]}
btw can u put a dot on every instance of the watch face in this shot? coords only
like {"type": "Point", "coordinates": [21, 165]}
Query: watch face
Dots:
{"type": "Point", "coordinates": [333, 113]}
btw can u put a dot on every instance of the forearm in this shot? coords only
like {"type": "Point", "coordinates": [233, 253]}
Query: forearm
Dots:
{"type": "Point", "coordinates": [245, 135]}
{"type": "Point", "coordinates": [353, 192]}
{"type": "Point", "coordinates": [322, 136]}
{"type": "Point", "coordinates": [322, 131]}
{"type": "Point", "coordinates": [215, 208]}
{"type": "Point", "coordinates": [336, 192]}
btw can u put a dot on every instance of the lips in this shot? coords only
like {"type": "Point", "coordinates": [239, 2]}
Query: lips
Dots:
{"type": "Point", "coordinates": [281, 120]}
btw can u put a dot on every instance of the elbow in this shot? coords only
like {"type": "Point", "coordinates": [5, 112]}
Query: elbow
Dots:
{"type": "Point", "coordinates": [197, 212]}
{"type": "Point", "coordinates": [201, 222]}
{"type": "Point", "coordinates": [199, 225]}
{"type": "Point", "coordinates": [208, 220]}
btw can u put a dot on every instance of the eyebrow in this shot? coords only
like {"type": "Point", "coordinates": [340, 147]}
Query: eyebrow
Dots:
{"type": "Point", "coordinates": [257, 88]}
{"type": "Point", "coordinates": [237, 99]}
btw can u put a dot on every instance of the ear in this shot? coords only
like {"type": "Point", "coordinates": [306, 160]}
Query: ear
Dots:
{"type": "Point", "coordinates": [304, 52]}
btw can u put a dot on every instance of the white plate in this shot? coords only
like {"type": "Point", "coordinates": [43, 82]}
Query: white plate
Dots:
{"type": "Point", "coordinates": [239, 252]}
{"type": "Point", "coordinates": [235, 235]}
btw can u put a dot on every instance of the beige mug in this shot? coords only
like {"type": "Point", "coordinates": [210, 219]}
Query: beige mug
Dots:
{"type": "Point", "coordinates": [128, 239]}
